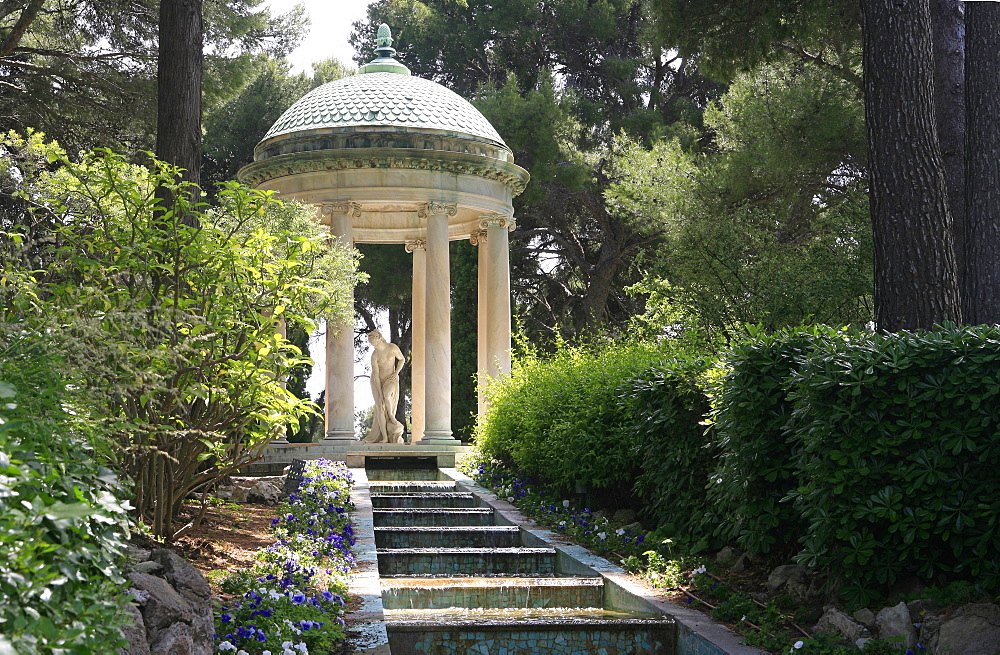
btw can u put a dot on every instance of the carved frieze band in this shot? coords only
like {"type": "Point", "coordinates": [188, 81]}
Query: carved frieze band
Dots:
{"type": "Point", "coordinates": [263, 171]}
{"type": "Point", "coordinates": [416, 244]}
{"type": "Point", "coordinates": [426, 209]}
{"type": "Point", "coordinates": [352, 208]}
{"type": "Point", "coordinates": [478, 237]}
{"type": "Point", "coordinates": [503, 220]}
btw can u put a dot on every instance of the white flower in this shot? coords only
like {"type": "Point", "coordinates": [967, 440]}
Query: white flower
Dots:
{"type": "Point", "coordinates": [242, 652]}
{"type": "Point", "coordinates": [226, 646]}
{"type": "Point", "coordinates": [744, 618]}
{"type": "Point", "coordinates": [620, 531]}
{"type": "Point", "coordinates": [602, 535]}
{"type": "Point", "coordinates": [798, 644]}
{"type": "Point", "coordinates": [565, 503]}
{"type": "Point", "coordinates": [302, 647]}
{"type": "Point", "coordinates": [266, 652]}
{"type": "Point", "coordinates": [287, 644]}
{"type": "Point", "coordinates": [562, 523]}
{"type": "Point", "coordinates": [510, 499]}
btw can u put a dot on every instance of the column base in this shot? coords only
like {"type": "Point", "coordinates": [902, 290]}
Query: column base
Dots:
{"type": "Point", "coordinates": [340, 435]}
{"type": "Point", "coordinates": [438, 439]}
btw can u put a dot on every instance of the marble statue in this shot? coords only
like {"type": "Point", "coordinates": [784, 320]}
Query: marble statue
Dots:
{"type": "Point", "coordinates": [387, 362]}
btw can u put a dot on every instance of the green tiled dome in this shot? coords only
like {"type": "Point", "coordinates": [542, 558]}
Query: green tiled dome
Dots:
{"type": "Point", "coordinates": [384, 99]}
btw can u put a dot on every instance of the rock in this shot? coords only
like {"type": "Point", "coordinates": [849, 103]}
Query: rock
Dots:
{"type": "Point", "coordinates": [148, 566]}
{"type": "Point", "coordinates": [895, 622]}
{"type": "Point", "coordinates": [865, 617]}
{"type": "Point", "coordinates": [930, 626]}
{"type": "Point", "coordinates": [634, 527]}
{"type": "Point", "coordinates": [974, 629]}
{"type": "Point", "coordinates": [833, 620]}
{"type": "Point", "coordinates": [780, 576]}
{"type": "Point", "coordinates": [760, 597]}
{"type": "Point", "coordinates": [192, 586]}
{"type": "Point", "coordinates": [741, 564]}
{"type": "Point", "coordinates": [239, 494]}
{"type": "Point", "coordinates": [176, 639]}
{"type": "Point", "coordinates": [804, 588]}
{"type": "Point", "coordinates": [920, 608]}
{"type": "Point", "coordinates": [726, 557]}
{"type": "Point", "coordinates": [223, 493]}
{"type": "Point", "coordinates": [137, 554]}
{"type": "Point", "coordinates": [134, 632]}
{"type": "Point", "coordinates": [624, 516]}
{"type": "Point", "coordinates": [860, 643]}
{"type": "Point", "coordinates": [265, 493]}
{"type": "Point", "coordinates": [164, 605]}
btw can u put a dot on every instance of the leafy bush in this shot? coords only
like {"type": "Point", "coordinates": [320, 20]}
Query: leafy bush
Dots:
{"type": "Point", "coordinates": [757, 459]}
{"type": "Point", "coordinates": [901, 437]}
{"type": "Point", "coordinates": [559, 418]}
{"type": "Point", "coordinates": [173, 312]}
{"type": "Point", "coordinates": [62, 527]}
{"type": "Point", "coordinates": [666, 407]}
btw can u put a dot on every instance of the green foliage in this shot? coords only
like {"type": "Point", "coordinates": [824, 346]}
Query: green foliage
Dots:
{"type": "Point", "coordinates": [757, 461]}
{"type": "Point", "coordinates": [770, 225]}
{"type": "Point", "coordinates": [62, 525]}
{"type": "Point", "coordinates": [901, 449]}
{"type": "Point", "coordinates": [560, 419]}
{"type": "Point", "coordinates": [665, 407]}
{"type": "Point", "coordinates": [464, 338]}
{"type": "Point", "coordinates": [172, 313]}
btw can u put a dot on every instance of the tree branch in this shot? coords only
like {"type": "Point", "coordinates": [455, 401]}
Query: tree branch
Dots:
{"type": "Point", "coordinates": [20, 27]}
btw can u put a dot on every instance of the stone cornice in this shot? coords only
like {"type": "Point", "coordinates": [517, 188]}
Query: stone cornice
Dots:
{"type": "Point", "coordinates": [510, 175]}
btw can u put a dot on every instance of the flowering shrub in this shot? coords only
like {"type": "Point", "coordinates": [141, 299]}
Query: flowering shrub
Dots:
{"type": "Point", "coordinates": [538, 501]}
{"type": "Point", "coordinates": [291, 601]}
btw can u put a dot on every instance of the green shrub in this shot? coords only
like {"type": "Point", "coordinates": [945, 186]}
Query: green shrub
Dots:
{"type": "Point", "coordinates": [901, 437]}
{"type": "Point", "coordinates": [757, 459]}
{"type": "Point", "coordinates": [666, 407]}
{"type": "Point", "coordinates": [62, 527]}
{"type": "Point", "coordinates": [559, 419]}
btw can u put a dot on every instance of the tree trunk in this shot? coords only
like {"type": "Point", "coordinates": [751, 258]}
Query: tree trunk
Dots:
{"type": "Point", "coordinates": [982, 88]}
{"type": "Point", "coordinates": [948, 20]}
{"type": "Point", "coordinates": [915, 281]}
{"type": "Point", "coordinates": [178, 81]}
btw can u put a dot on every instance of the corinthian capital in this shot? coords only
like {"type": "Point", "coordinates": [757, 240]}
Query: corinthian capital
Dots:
{"type": "Point", "coordinates": [352, 208]}
{"type": "Point", "coordinates": [415, 244]}
{"type": "Point", "coordinates": [427, 208]}
{"type": "Point", "coordinates": [503, 220]}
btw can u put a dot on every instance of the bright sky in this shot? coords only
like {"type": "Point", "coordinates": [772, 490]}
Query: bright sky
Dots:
{"type": "Point", "coordinates": [329, 29]}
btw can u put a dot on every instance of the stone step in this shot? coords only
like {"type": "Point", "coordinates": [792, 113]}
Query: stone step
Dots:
{"type": "Point", "coordinates": [492, 593]}
{"type": "Point", "coordinates": [483, 536]}
{"type": "Point", "coordinates": [440, 499]}
{"type": "Point", "coordinates": [466, 561]}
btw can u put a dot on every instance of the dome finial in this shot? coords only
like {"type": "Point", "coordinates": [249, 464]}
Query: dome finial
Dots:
{"type": "Point", "coordinates": [383, 39]}
{"type": "Point", "coordinates": [386, 60]}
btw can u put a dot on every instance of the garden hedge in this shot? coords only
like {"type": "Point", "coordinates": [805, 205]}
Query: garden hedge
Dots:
{"type": "Point", "coordinates": [901, 436]}
{"type": "Point", "coordinates": [62, 525]}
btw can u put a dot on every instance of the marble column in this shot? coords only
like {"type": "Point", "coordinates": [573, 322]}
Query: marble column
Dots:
{"type": "Point", "coordinates": [437, 398]}
{"type": "Point", "coordinates": [497, 292]}
{"type": "Point", "coordinates": [340, 340]}
{"type": "Point", "coordinates": [478, 239]}
{"type": "Point", "coordinates": [418, 349]}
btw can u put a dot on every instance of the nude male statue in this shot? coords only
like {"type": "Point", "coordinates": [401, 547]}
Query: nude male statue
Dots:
{"type": "Point", "coordinates": [387, 362]}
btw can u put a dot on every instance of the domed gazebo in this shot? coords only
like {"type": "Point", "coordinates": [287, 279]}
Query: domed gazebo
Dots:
{"type": "Point", "coordinates": [386, 157]}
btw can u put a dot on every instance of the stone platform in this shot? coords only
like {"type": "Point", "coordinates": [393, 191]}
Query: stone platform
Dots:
{"type": "Point", "coordinates": [356, 454]}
